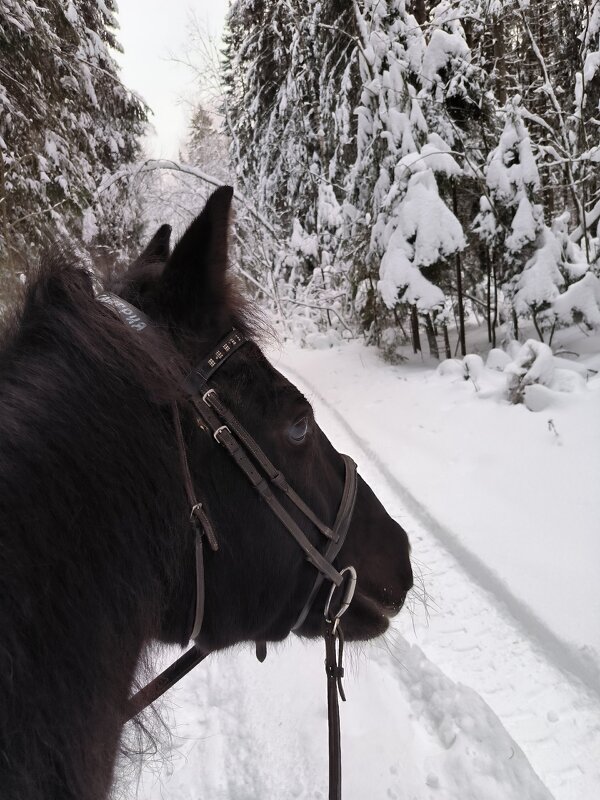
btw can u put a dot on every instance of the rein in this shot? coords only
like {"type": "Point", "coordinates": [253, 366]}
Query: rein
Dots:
{"type": "Point", "coordinates": [213, 416]}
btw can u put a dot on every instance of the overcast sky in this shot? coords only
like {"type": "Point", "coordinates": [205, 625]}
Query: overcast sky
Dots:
{"type": "Point", "coordinates": [151, 31]}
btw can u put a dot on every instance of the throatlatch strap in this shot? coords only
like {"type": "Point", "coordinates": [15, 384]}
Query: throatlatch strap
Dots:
{"type": "Point", "coordinates": [199, 521]}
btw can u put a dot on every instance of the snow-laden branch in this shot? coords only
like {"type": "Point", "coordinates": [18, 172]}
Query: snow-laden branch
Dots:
{"type": "Point", "coordinates": [153, 164]}
{"type": "Point", "coordinates": [592, 216]}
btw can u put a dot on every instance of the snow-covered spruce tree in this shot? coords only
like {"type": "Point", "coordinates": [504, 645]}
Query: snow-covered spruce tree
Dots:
{"type": "Point", "coordinates": [393, 195]}
{"type": "Point", "coordinates": [290, 93]}
{"type": "Point", "coordinates": [458, 105]}
{"type": "Point", "coordinates": [66, 121]}
{"type": "Point", "coordinates": [550, 69]}
{"type": "Point", "coordinates": [510, 217]}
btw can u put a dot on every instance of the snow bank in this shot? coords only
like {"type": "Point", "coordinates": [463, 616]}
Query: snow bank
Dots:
{"type": "Point", "coordinates": [243, 730]}
{"type": "Point", "coordinates": [531, 374]}
{"type": "Point", "coordinates": [470, 756]}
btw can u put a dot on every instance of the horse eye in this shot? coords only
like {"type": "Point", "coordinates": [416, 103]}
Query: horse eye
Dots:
{"type": "Point", "coordinates": [298, 430]}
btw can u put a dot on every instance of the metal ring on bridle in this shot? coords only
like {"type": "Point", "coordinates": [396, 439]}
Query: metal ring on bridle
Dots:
{"type": "Point", "coordinates": [348, 588]}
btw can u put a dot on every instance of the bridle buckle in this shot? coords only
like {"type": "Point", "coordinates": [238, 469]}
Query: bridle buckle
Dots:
{"type": "Point", "coordinates": [219, 431]}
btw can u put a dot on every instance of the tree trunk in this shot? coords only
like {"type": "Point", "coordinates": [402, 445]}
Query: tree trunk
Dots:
{"type": "Point", "coordinates": [488, 299]}
{"type": "Point", "coordinates": [420, 11]}
{"type": "Point", "coordinates": [499, 59]}
{"type": "Point", "coordinates": [398, 321]}
{"type": "Point", "coordinates": [515, 321]}
{"type": "Point", "coordinates": [446, 341]}
{"type": "Point", "coordinates": [536, 325]}
{"type": "Point", "coordinates": [461, 307]}
{"type": "Point", "coordinates": [431, 340]}
{"type": "Point", "coordinates": [414, 324]}
{"type": "Point", "coordinates": [495, 318]}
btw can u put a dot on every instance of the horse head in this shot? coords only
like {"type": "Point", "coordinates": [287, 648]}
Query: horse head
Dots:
{"type": "Point", "coordinates": [259, 581]}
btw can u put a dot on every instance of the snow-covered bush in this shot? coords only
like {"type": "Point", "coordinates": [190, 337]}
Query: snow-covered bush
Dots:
{"type": "Point", "coordinates": [533, 364]}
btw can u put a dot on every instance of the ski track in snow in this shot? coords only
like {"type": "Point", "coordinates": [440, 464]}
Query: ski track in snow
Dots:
{"type": "Point", "coordinates": [470, 633]}
{"type": "Point", "coordinates": [460, 701]}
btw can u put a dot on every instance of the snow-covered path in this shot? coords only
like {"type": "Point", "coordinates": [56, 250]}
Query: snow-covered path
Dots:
{"type": "Point", "coordinates": [471, 635]}
{"type": "Point", "coordinates": [459, 700]}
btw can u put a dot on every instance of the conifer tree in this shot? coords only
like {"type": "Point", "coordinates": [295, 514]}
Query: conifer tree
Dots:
{"type": "Point", "coordinates": [66, 122]}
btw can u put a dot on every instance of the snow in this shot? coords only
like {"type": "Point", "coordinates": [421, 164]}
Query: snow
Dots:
{"type": "Point", "coordinates": [512, 166]}
{"type": "Point", "coordinates": [523, 227]}
{"type": "Point", "coordinates": [582, 297]}
{"type": "Point", "coordinates": [533, 364]}
{"type": "Point", "coordinates": [497, 359]}
{"type": "Point", "coordinates": [436, 155]}
{"type": "Point", "coordinates": [494, 473]}
{"type": "Point", "coordinates": [442, 47]}
{"type": "Point", "coordinates": [401, 279]}
{"type": "Point", "coordinates": [592, 62]}
{"type": "Point", "coordinates": [467, 697]}
{"type": "Point", "coordinates": [437, 735]}
{"type": "Point", "coordinates": [538, 284]}
{"type": "Point", "coordinates": [412, 241]}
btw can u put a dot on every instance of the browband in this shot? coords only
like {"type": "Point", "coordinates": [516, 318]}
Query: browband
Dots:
{"type": "Point", "coordinates": [139, 322]}
{"type": "Point", "coordinates": [211, 363]}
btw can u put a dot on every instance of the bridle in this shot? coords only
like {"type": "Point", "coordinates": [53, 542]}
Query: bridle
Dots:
{"type": "Point", "coordinates": [212, 416]}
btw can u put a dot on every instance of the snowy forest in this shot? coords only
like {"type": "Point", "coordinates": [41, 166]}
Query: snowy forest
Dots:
{"type": "Point", "coordinates": [354, 126]}
{"type": "Point", "coordinates": [408, 170]}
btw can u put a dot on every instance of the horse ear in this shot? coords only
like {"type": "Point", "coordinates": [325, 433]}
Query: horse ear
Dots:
{"type": "Point", "coordinates": [193, 284]}
{"type": "Point", "coordinates": [158, 248]}
{"type": "Point", "coordinates": [133, 284]}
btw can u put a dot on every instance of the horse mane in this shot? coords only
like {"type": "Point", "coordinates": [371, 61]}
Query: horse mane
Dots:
{"type": "Point", "coordinates": [86, 446]}
{"type": "Point", "coordinates": [91, 497]}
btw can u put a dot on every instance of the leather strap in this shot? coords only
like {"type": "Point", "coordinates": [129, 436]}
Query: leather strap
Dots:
{"type": "Point", "coordinates": [341, 525]}
{"type": "Point", "coordinates": [225, 437]}
{"type": "Point", "coordinates": [199, 521]}
{"type": "Point", "coordinates": [275, 476]}
{"type": "Point", "coordinates": [335, 673]}
{"type": "Point", "coordinates": [167, 678]}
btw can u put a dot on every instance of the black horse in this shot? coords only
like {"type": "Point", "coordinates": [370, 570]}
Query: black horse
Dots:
{"type": "Point", "coordinates": [96, 549]}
